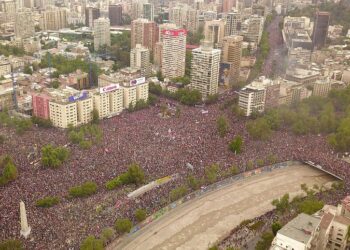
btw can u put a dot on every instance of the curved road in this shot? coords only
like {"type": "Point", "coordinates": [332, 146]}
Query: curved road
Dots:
{"type": "Point", "coordinates": [201, 222]}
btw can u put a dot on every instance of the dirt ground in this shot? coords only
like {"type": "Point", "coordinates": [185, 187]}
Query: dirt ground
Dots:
{"type": "Point", "coordinates": [201, 222]}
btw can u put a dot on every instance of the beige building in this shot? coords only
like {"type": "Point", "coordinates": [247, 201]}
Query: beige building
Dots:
{"type": "Point", "coordinates": [184, 16]}
{"type": "Point", "coordinates": [255, 29]}
{"type": "Point", "coordinates": [143, 32]}
{"type": "Point", "coordinates": [102, 36]}
{"type": "Point", "coordinates": [5, 67]}
{"type": "Point", "coordinates": [129, 96]}
{"type": "Point", "coordinates": [140, 59]}
{"type": "Point", "coordinates": [173, 53]}
{"type": "Point", "coordinates": [232, 53]}
{"type": "Point", "coordinates": [116, 101]}
{"type": "Point", "coordinates": [70, 107]}
{"type": "Point", "coordinates": [53, 18]}
{"type": "Point", "coordinates": [233, 24]}
{"type": "Point", "coordinates": [214, 31]}
{"type": "Point", "coordinates": [205, 69]}
{"type": "Point", "coordinates": [63, 114]}
{"type": "Point", "coordinates": [24, 24]}
{"type": "Point", "coordinates": [322, 87]}
{"type": "Point", "coordinates": [101, 104]}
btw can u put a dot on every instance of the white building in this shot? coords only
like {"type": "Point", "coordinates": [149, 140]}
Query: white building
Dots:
{"type": "Point", "coordinates": [140, 59]}
{"type": "Point", "coordinates": [102, 34]}
{"type": "Point", "coordinates": [298, 234]}
{"type": "Point", "coordinates": [173, 53]}
{"type": "Point", "coordinates": [205, 69]}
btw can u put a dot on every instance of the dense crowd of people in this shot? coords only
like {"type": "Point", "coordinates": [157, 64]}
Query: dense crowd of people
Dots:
{"type": "Point", "coordinates": [161, 146]}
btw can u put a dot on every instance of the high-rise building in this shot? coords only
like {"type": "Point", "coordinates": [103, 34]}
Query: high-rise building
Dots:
{"type": "Point", "coordinates": [54, 19]}
{"type": "Point", "coordinates": [102, 34]}
{"type": "Point", "coordinates": [8, 7]}
{"type": "Point", "coordinates": [40, 104]}
{"type": "Point", "coordinates": [148, 11]}
{"type": "Point", "coordinates": [143, 32]}
{"type": "Point", "coordinates": [255, 29]}
{"type": "Point", "coordinates": [115, 13]}
{"type": "Point", "coordinates": [24, 24]}
{"type": "Point", "coordinates": [184, 17]}
{"type": "Point", "coordinates": [214, 31]}
{"type": "Point", "coordinates": [320, 29]}
{"type": "Point", "coordinates": [91, 14]}
{"type": "Point", "coordinates": [205, 69]}
{"type": "Point", "coordinates": [227, 5]}
{"type": "Point", "coordinates": [140, 59]}
{"type": "Point", "coordinates": [233, 24]}
{"type": "Point", "coordinates": [232, 53]}
{"type": "Point", "coordinates": [174, 53]}
{"type": "Point", "coordinates": [28, 3]}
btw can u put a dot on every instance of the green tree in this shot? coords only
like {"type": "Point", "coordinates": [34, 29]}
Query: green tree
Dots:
{"type": "Point", "coordinates": [281, 204]}
{"type": "Point", "coordinates": [211, 173]}
{"type": "Point", "coordinates": [340, 140]}
{"type": "Point", "coordinates": [275, 227]}
{"type": "Point", "coordinates": [310, 206]}
{"type": "Point", "coordinates": [9, 172]}
{"type": "Point", "coordinates": [177, 193]}
{"type": "Point", "coordinates": [193, 182]}
{"type": "Point", "coordinates": [222, 125]}
{"type": "Point", "coordinates": [86, 189]}
{"type": "Point", "coordinates": [53, 157]}
{"type": "Point", "coordinates": [135, 174]}
{"type": "Point", "coordinates": [236, 144]}
{"type": "Point", "coordinates": [11, 245]}
{"type": "Point", "coordinates": [48, 201]}
{"type": "Point", "coordinates": [91, 243]}
{"type": "Point", "coordinates": [140, 215]}
{"type": "Point", "coordinates": [265, 242]}
{"type": "Point", "coordinates": [95, 116]}
{"type": "Point", "coordinates": [27, 70]}
{"type": "Point", "coordinates": [259, 129]}
{"type": "Point", "coordinates": [123, 225]}
{"type": "Point", "coordinates": [107, 235]}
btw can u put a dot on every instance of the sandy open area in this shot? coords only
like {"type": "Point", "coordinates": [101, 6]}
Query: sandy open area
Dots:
{"type": "Point", "coordinates": [201, 222]}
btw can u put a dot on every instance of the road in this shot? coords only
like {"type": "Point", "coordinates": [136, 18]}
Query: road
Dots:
{"type": "Point", "coordinates": [275, 60]}
{"type": "Point", "coordinates": [201, 222]}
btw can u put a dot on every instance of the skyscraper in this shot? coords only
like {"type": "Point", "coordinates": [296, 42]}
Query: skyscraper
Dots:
{"type": "Point", "coordinates": [320, 29]}
{"type": "Point", "coordinates": [173, 53]}
{"type": "Point", "coordinates": [140, 59]}
{"type": "Point", "coordinates": [205, 69]}
{"type": "Point", "coordinates": [148, 11]}
{"type": "Point", "coordinates": [53, 18]}
{"type": "Point", "coordinates": [115, 13]}
{"type": "Point", "coordinates": [24, 24]}
{"type": "Point", "coordinates": [214, 31]}
{"type": "Point", "coordinates": [227, 5]}
{"type": "Point", "coordinates": [143, 32]}
{"type": "Point", "coordinates": [102, 34]}
{"type": "Point", "coordinates": [232, 53]}
{"type": "Point", "coordinates": [233, 24]}
{"type": "Point", "coordinates": [91, 14]}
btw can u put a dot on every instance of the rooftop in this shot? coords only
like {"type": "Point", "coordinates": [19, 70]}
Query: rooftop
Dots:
{"type": "Point", "coordinates": [301, 228]}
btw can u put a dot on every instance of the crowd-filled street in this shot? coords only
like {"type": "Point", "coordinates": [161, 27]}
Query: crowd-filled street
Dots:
{"type": "Point", "coordinates": [161, 146]}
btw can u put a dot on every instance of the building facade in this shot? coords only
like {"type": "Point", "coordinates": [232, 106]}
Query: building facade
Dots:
{"type": "Point", "coordinates": [205, 69]}
{"type": "Point", "coordinates": [115, 13]}
{"type": "Point", "coordinates": [173, 53]}
{"type": "Point", "coordinates": [102, 36]}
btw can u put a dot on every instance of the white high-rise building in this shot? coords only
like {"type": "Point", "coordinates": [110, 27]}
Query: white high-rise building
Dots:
{"type": "Point", "coordinates": [148, 11]}
{"type": "Point", "coordinates": [205, 69]}
{"type": "Point", "coordinates": [140, 59]}
{"type": "Point", "coordinates": [102, 34]}
{"type": "Point", "coordinates": [174, 53]}
{"type": "Point", "coordinates": [233, 24]}
{"type": "Point", "coordinates": [24, 24]}
{"type": "Point", "coordinates": [255, 29]}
